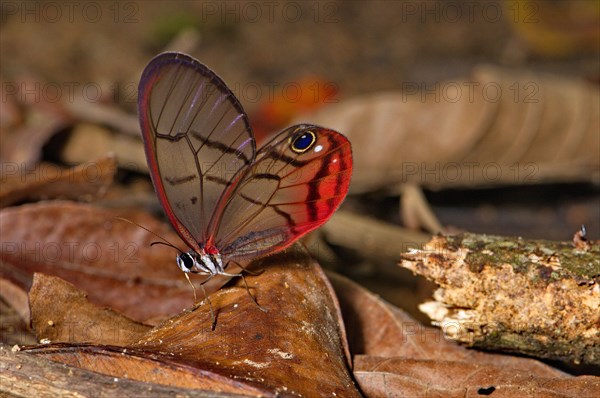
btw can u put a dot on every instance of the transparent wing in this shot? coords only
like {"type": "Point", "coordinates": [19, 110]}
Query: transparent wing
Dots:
{"type": "Point", "coordinates": [295, 184]}
{"type": "Point", "coordinates": [196, 136]}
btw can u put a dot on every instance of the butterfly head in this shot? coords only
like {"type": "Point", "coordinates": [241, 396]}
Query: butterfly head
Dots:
{"type": "Point", "coordinates": [202, 263]}
{"type": "Point", "coordinates": [186, 262]}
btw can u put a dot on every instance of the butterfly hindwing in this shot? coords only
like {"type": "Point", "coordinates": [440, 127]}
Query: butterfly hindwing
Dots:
{"type": "Point", "coordinates": [197, 138]}
{"type": "Point", "coordinates": [295, 184]}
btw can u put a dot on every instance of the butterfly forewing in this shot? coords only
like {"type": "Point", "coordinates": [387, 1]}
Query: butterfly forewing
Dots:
{"type": "Point", "coordinates": [197, 138]}
{"type": "Point", "coordinates": [287, 192]}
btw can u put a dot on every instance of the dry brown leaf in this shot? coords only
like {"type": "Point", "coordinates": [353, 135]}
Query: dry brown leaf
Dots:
{"type": "Point", "coordinates": [297, 348]}
{"type": "Point", "coordinates": [89, 141]}
{"type": "Point", "coordinates": [27, 375]}
{"type": "Point", "coordinates": [500, 127]}
{"type": "Point", "coordinates": [14, 327]}
{"type": "Point", "coordinates": [144, 366]}
{"type": "Point", "coordinates": [398, 376]}
{"type": "Point", "coordinates": [378, 329]}
{"type": "Point", "coordinates": [22, 147]}
{"type": "Point", "coordinates": [11, 115]}
{"type": "Point", "coordinates": [111, 260]}
{"type": "Point", "coordinates": [559, 29]}
{"type": "Point", "coordinates": [61, 313]}
{"type": "Point", "coordinates": [22, 143]}
{"type": "Point", "coordinates": [49, 181]}
{"type": "Point", "coordinates": [105, 115]}
{"type": "Point", "coordinates": [16, 297]}
{"type": "Point", "coordinates": [394, 355]}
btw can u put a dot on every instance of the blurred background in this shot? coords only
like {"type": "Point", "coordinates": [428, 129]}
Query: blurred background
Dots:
{"type": "Point", "coordinates": [378, 71]}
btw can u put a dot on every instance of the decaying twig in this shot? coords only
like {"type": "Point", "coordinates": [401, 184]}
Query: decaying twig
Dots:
{"type": "Point", "coordinates": [381, 240]}
{"type": "Point", "coordinates": [538, 298]}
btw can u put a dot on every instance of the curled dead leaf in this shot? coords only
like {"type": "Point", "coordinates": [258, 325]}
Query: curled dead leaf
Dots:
{"type": "Point", "coordinates": [16, 297]}
{"type": "Point", "coordinates": [30, 375]}
{"type": "Point", "coordinates": [499, 127]}
{"type": "Point", "coordinates": [22, 143]}
{"type": "Point", "coordinates": [394, 355]}
{"type": "Point", "coordinates": [378, 376]}
{"type": "Point", "coordinates": [89, 141]}
{"type": "Point", "coordinates": [376, 328]}
{"type": "Point", "coordinates": [61, 313]}
{"type": "Point", "coordinates": [297, 348]}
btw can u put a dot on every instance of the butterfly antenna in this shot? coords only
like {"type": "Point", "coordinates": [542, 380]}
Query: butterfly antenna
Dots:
{"type": "Point", "coordinates": [165, 242]}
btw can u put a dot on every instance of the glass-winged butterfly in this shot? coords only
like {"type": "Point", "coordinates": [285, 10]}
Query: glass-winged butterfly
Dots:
{"type": "Point", "coordinates": [227, 200]}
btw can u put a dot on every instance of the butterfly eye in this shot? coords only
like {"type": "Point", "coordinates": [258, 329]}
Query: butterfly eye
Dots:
{"type": "Point", "coordinates": [303, 142]}
{"type": "Point", "coordinates": [185, 262]}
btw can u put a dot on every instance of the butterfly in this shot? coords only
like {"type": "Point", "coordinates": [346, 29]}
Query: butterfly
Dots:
{"type": "Point", "coordinates": [227, 200]}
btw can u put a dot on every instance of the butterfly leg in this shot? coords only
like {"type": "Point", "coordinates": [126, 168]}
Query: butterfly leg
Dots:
{"type": "Point", "coordinates": [245, 284]}
{"type": "Point", "coordinates": [213, 318]}
{"type": "Point", "coordinates": [193, 287]}
{"type": "Point", "coordinates": [251, 296]}
{"type": "Point", "coordinates": [246, 270]}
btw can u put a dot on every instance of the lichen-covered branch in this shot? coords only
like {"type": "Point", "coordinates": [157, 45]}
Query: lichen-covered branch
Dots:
{"type": "Point", "coordinates": [533, 297]}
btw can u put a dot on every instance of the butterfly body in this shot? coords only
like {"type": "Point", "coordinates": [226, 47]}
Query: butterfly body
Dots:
{"type": "Point", "coordinates": [227, 200]}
